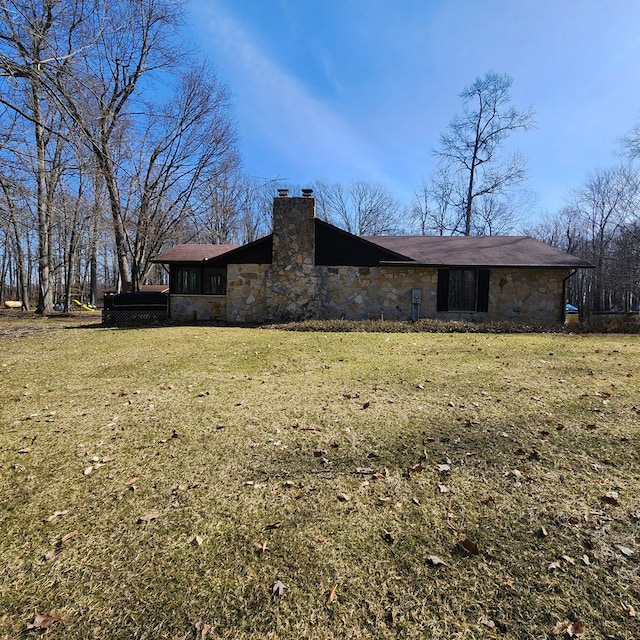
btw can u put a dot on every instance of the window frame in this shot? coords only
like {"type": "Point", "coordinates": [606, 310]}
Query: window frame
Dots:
{"type": "Point", "coordinates": [220, 287]}
{"type": "Point", "coordinates": [192, 280]}
{"type": "Point", "coordinates": [447, 279]}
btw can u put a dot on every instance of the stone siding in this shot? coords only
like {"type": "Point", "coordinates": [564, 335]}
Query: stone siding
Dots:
{"type": "Point", "coordinates": [527, 295]}
{"type": "Point", "coordinates": [194, 308]}
{"type": "Point", "coordinates": [246, 292]}
{"type": "Point", "coordinates": [259, 293]}
{"type": "Point", "coordinates": [294, 288]}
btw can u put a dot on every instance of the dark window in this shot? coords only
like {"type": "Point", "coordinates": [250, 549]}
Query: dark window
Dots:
{"type": "Point", "coordinates": [210, 281]}
{"type": "Point", "coordinates": [186, 280]}
{"type": "Point", "coordinates": [214, 281]}
{"type": "Point", "coordinates": [463, 289]}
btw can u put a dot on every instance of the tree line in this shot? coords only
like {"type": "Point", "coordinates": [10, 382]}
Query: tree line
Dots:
{"type": "Point", "coordinates": [116, 142]}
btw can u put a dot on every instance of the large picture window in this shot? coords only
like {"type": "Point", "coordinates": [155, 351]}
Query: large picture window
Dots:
{"type": "Point", "coordinates": [463, 289]}
{"type": "Point", "coordinates": [199, 280]}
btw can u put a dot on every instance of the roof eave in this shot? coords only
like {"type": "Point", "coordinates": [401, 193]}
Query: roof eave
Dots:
{"type": "Point", "coordinates": [443, 265]}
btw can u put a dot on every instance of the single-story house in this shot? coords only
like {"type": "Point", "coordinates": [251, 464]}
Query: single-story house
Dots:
{"type": "Point", "coordinates": [308, 268]}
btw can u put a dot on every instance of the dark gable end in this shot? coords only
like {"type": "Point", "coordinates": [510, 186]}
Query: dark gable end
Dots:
{"type": "Point", "coordinates": [257, 252]}
{"type": "Point", "coordinates": [335, 247]}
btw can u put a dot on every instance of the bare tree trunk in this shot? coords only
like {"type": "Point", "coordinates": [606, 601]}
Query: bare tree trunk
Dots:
{"type": "Point", "coordinates": [21, 270]}
{"type": "Point", "coordinates": [45, 293]}
{"type": "Point", "coordinates": [93, 242]}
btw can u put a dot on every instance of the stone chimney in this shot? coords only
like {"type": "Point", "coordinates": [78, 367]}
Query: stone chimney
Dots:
{"type": "Point", "coordinates": [293, 230]}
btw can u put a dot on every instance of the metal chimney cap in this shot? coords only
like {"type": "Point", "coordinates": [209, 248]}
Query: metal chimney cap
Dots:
{"type": "Point", "coordinates": [283, 193]}
{"type": "Point", "coordinates": [307, 193]}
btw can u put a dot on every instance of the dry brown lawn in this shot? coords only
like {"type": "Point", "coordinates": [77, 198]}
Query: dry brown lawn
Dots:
{"type": "Point", "coordinates": [205, 482]}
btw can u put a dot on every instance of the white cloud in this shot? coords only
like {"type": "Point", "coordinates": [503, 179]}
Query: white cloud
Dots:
{"type": "Point", "coordinates": [278, 113]}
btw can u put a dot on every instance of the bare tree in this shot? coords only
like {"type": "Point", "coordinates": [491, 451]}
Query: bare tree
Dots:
{"type": "Point", "coordinates": [362, 208]}
{"type": "Point", "coordinates": [469, 148]}
{"type": "Point", "coordinates": [431, 210]}
{"type": "Point", "coordinates": [130, 40]}
{"type": "Point", "coordinates": [29, 39]}
{"type": "Point", "coordinates": [599, 225]}
{"type": "Point", "coordinates": [12, 194]}
{"type": "Point", "coordinates": [187, 142]}
{"type": "Point", "coordinates": [602, 205]}
{"type": "Point", "coordinates": [631, 143]}
{"type": "Point", "coordinates": [223, 200]}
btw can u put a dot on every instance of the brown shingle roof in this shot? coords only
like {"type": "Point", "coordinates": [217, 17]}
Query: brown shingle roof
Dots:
{"type": "Point", "coordinates": [478, 251]}
{"type": "Point", "coordinates": [193, 252]}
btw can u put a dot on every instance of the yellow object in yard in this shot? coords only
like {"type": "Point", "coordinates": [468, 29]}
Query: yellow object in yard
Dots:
{"type": "Point", "coordinates": [86, 307]}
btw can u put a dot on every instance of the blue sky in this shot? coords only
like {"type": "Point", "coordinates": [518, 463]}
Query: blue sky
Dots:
{"type": "Point", "coordinates": [346, 90]}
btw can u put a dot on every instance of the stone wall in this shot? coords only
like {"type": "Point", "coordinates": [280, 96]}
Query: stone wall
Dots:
{"type": "Point", "coordinates": [527, 295]}
{"type": "Point", "coordinates": [259, 293]}
{"type": "Point", "coordinates": [194, 308]}
{"type": "Point", "coordinates": [246, 292]}
{"type": "Point", "coordinates": [294, 288]}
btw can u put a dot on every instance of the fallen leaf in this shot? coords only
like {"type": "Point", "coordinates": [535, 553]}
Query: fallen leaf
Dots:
{"type": "Point", "coordinates": [55, 515]}
{"type": "Point", "coordinates": [575, 629]}
{"type": "Point", "coordinates": [560, 627]}
{"type": "Point", "coordinates": [44, 620]}
{"type": "Point", "coordinates": [443, 468]}
{"type": "Point", "coordinates": [67, 537]}
{"type": "Point", "coordinates": [571, 629]}
{"type": "Point", "coordinates": [153, 515]}
{"type": "Point", "coordinates": [629, 610]}
{"type": "Point", "coordinates": [556, 564]}
{"type": "Point", "coordinates": [443, 488]}
{"type": "Point", "coordinates": [469, 546]}
{"type": "Point", "coordinates": [261, 547]}
{"type": "Point", "coordinates": [87, 471]}
{"type": "Point", "coordinates": [344, 497]}
{"type": "Point", "coordinates": [435, 561]}
{"type": "Point", "coordinates": [611, 497]}
{"type": "Point", "coordinates": [51, 554]}
{"type": "Point", "coordinates": [625, 550]}
{"type": "Point", "coordinates": [278, 588]}
{"type": "Point", "coordinates": [331, 598]}
{"type": "Point", "coordinates": [203, 629]}
{"type": "Point", "coordinates": [197, 541]}
{"type": "Point", "coordinates": [273, 525]}
{"type": "Point", "coordinates": [366, 405]}
{"type": "Point", "coordinates": [387, 536]}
